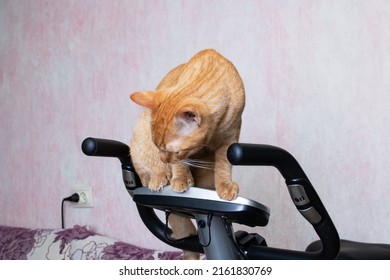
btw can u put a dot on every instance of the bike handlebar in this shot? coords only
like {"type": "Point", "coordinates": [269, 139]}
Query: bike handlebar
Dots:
{"type": "Point", "coordinates": [301, 191]}
{"type": "Point", "coordinates": [265, 155]}
{"type": "Point", "coordinates": [106, 148]}
{"type": "Point", "coordinates": [110, 148]}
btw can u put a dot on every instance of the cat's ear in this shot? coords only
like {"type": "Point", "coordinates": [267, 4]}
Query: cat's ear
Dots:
{"type": "Point", "coordinates": [187, 120]}
{"type": "Point", "coordinates": [189, 116]}
{"type": "Point", "coordinates": [148, 99]}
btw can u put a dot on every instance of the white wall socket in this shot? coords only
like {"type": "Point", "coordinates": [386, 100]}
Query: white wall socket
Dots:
{"type": "Point", "coordinates": [86, 199]}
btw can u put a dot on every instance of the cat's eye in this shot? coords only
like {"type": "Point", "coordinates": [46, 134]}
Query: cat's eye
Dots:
{"type": "Point", "coordinates": [169, 152]}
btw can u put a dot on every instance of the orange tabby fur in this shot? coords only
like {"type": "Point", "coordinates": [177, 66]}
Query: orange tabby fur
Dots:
{"type": "Point", "coordinates": [189, 122]}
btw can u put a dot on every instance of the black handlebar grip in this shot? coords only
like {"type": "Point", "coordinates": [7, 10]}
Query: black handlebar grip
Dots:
{"type": "Point", "coordinates": [106, 148]}
{"type": "Point", "coordinates": [265, 155]}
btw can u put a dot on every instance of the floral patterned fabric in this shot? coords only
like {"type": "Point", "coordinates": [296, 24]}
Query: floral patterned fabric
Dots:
{"type": "Point", "coordinates": [77, 243]}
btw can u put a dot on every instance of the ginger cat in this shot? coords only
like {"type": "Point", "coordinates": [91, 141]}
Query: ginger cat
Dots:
{"type": "Point", "coordinates": [189, 122]}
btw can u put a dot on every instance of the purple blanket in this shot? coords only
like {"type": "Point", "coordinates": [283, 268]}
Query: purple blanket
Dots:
{"type": "Point", "coordinates": [75, 243]}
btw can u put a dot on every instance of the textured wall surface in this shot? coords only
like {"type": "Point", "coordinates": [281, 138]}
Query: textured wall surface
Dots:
{"type": "Point", "coordinates": [317, 78]}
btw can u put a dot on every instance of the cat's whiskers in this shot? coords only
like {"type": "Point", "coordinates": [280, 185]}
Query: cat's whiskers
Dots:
{"type": "Point", "coordinates": [198, 163]}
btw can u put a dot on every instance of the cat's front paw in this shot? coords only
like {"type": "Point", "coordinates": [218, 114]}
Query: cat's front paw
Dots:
{"type": "Point", "coordinates": [160, 180]}
{"type": "Point", "coordinates": [227, 190]}
{"type": "Point", "coordinates": [181, 184]}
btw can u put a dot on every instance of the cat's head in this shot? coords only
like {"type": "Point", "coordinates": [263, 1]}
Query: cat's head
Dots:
{"type": "Point", "coordinates": [178, 126]}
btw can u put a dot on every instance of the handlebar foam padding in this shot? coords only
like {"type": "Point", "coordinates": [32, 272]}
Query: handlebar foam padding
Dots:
{"type": "Point", "coordinates": [106, 148]}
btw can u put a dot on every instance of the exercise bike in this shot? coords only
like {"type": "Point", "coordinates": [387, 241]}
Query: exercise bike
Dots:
{"type": "Point", "coordinates": [215, 217]}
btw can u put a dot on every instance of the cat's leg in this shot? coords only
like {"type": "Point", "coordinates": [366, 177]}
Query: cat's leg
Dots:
{"type": "Point", "coordinates": [203, 178]}
{"type": "Point", "coordinates": [181, 178]}
{"type": "Point", "coordinates": [225, 187]}
{"type": "Point", "coordinates": [159, 180]}
{"type": "Point", "coordinates": [183, 227]}
{"type": "Point", "coordinates": [154, 179]}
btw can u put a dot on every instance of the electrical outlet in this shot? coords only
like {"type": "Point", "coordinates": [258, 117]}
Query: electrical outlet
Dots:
{"type": "Point", "coordinates": [86, 199]}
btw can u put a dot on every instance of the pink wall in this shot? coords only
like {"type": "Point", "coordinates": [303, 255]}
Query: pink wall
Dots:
{"type": "Point", "coordinates": [317, 81]}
